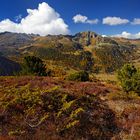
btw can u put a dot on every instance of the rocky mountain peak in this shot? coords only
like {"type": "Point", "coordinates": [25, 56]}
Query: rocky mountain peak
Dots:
{"type": "Point", "coordinates": [85, 38]}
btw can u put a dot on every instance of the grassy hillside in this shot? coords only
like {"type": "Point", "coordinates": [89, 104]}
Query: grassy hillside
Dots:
{"type": "Point", "coordinates": [135, 57]}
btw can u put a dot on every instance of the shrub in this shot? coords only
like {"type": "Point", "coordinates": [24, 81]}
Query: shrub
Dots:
{"type": "Point", "coordinates": [136, 83]}
{"type": "Point", "coordinates": [129, 78]}
{"type": "Point", "coordinates": [79, 76]}
{"type": "Point", "coordinates": [33, 66]}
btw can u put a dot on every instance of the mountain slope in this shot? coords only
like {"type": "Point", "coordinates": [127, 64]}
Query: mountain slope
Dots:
{"type": "Point", "coordinates": [10, 42]}
{"type": "Point", "coordinates": [8, 67]}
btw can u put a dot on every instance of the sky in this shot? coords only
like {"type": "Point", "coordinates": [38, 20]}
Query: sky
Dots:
{"type": "Point", "coordinates": [106, 17]}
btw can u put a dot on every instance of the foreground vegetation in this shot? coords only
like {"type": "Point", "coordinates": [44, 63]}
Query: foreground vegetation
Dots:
{"type": "Point", "coordinates": [49, 108]}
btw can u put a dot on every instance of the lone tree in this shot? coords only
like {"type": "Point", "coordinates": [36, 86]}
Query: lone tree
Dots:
{"type": "Point", "coordinates": [129, 78]}
{"type": "Point", "coordinates": [34, 66]}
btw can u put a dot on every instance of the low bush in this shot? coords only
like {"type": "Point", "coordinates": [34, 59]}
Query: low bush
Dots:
{"type": "Point", "coordinates": [79, 76]}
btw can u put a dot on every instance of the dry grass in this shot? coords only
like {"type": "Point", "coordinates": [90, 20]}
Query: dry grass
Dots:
{"type": "Point", "coordinates": [104, 77]}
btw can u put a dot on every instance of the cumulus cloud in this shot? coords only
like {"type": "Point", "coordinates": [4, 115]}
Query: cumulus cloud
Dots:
{"type": "Point", "coordinates": [114, 21]}
{"type": "Point", "coordinates": [84, 19]}
{"type": "Point", "coordinates": [136, 21]}
{"type": "Point", "coordinates": [44, 20]}
{"type": "Point", "coordinates": [128, 35]}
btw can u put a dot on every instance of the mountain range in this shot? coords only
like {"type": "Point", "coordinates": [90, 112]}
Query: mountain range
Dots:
{"type": "Point", "coordinates": [82, 51]}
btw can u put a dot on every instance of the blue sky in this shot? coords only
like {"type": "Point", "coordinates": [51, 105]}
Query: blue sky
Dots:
{"type": "Point", "coordinates": [125, 10]}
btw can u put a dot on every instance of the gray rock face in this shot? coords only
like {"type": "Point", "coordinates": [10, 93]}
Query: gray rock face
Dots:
{"type": "Point", "coordinates": [85, 38]}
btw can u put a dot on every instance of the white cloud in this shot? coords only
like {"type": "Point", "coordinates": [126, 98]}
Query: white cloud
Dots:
{"type": "Point", "coordinates": [79, 18]}
{"type": "Point", "coordinates": [114, 21]}
{"type": "Point", "coordinates": [136, 21]}
{"type": "Point", "coordinates": [84, 19]}
{"type": "Point", "coordinates": [128, 35]}
{"type": "Point", "coordinates": [44, 20]}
